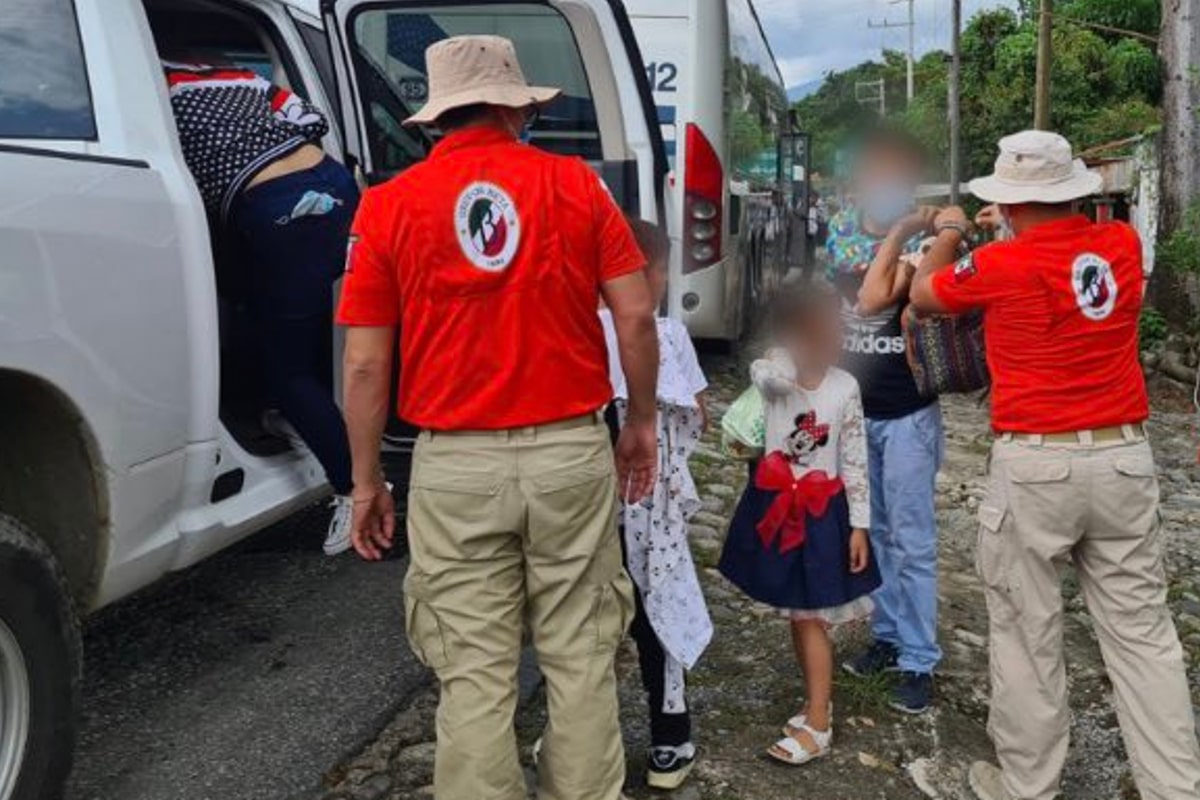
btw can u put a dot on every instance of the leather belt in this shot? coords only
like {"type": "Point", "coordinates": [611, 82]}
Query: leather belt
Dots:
{"type": "Point", "coordinates": [583, 421]}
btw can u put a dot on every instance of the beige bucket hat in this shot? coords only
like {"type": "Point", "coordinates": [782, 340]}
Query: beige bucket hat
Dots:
{"type": "Point", "coordinates": [467, 70]}
{"type": "Point", "coordinates": [1036, 167]}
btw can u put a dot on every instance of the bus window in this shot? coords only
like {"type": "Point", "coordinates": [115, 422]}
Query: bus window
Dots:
{"type": "Point", "coordinates": [390, 46]}
{"type": "Point", "coordinates": [758, 102]}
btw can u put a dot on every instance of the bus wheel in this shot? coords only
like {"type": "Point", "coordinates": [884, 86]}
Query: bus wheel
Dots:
{"type": "Point", "coordinates": [40, 666]}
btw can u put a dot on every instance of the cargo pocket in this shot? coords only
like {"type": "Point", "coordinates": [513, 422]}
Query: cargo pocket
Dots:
{"type": "Point", "coordinates": [613, 613]}
{"type": "Point", "coordinates": [993, 560]}
{"type": "Point", "coordinates": [421, 623]}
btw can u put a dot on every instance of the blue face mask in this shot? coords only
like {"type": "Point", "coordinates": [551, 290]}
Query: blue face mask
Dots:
{"type": "Point", "coordinates": [311, 204]}
{"type": "Point", "coordinates": [888, 203]}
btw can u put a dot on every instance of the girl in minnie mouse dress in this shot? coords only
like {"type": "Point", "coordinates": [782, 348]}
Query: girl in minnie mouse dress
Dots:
{"type": "Point", "coordinates": [798, 540]}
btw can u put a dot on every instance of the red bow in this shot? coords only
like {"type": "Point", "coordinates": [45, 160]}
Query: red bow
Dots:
{"type": "Point", "coordinates": [795, 501]}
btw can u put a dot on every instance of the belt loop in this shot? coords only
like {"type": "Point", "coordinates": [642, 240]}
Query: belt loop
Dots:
{"type": "Point", "coordinates": [1127, 433]}
{"type": "Point", "coordinates": [1086, 438]}
{"type": "Point", "coordinates": [1006, 438]}
{"type": "Point", "coordinates": [1037, 439]}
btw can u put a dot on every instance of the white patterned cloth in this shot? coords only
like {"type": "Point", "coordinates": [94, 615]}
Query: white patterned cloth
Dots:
{"type": "Point", "coordinates": [680, 378]}
{"type": "Point", "coordinates": [833, 440]}
{"type": "Point", "coordinates": [656, 529]}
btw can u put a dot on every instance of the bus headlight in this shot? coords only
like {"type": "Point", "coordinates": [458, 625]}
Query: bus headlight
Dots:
{"type": "Point", "coordinates": [703, 252]}
{"type": "Point", "coordinates": [704, 231]}
{"type": "Point", "coordinates": [691, 301]}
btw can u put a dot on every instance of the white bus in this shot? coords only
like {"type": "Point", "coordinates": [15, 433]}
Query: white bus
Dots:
{"type": "Point", "coordinates": [723, 109]}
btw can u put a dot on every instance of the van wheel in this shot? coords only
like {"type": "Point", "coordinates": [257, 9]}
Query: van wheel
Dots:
{"type": "Point", "coordinates": [40, 666]}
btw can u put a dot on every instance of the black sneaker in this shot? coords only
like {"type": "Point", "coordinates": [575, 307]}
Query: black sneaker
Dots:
{"type": "Point", "coordinates": [879, 657]}
{"type": "Point", "coordinates": [670, 766]}
{"type": "Point", "coordinates": [914, 693]}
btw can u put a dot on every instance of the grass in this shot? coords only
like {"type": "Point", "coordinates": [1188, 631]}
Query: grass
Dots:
{"type": "Point", "coordinates": [863, 695]}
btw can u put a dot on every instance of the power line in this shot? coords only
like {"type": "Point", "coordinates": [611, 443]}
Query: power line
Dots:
{"type": "Point", "coordinates": [1106, 28]}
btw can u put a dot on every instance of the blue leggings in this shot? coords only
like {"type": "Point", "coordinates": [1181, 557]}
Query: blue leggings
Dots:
{"type": "Point", "coordinates": [292, 265]}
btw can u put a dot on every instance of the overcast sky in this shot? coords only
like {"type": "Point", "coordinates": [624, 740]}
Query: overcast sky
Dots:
{"type": "Point", "coordinates": [811, 37]}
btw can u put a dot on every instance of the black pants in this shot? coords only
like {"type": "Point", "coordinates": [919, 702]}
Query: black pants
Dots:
{"type": "Point", "coordinates": [291, 265]}
{"type": "Point", "coordinates": [666, 730]}
{"type": "Point", "coordinates": [297, 364]}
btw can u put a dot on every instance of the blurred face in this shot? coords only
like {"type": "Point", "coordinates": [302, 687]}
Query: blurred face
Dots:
{"type": "Point", "coordinates": [885, 183]}
{"type": "Point", "coordinates": [656, 276]}
{"type": "Point", "coordinates": [817, 341]}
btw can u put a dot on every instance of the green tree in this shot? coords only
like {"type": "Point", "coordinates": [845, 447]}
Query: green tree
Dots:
{"type": "Point", "coordinates": [1106, 87]}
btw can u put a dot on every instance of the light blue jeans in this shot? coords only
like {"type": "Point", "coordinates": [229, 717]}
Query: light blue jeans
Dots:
{"type": "Point", "coordinates": [905, 455]}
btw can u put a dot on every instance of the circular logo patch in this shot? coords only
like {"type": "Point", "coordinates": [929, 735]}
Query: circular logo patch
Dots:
{"type": "Point", "coordinates": [489, 229]}
{"type": "Point", "coordinates": [1094, 285]}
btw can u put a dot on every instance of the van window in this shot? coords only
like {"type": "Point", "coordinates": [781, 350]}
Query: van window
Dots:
{"type": "Point", "coordinates": [43, 78]}
{"type": "Point", "coordinates": [390, 49]}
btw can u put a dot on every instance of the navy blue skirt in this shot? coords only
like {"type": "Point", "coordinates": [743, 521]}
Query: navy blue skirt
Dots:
{"type": "Point", "coordinates": [814, 576]}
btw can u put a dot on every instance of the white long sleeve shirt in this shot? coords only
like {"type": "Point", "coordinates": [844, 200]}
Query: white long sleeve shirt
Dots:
{"type": "Point", "coordinates": [832, 440]}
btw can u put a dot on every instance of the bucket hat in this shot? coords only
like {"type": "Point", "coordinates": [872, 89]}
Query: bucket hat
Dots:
{"type": "Point", "coordinates": [469, 70]}
{"type": "Point", "coordinates": [1036, 167]}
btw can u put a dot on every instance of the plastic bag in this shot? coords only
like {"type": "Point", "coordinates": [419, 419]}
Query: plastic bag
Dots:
{"type": "Point", "coordinates": [744, 427]}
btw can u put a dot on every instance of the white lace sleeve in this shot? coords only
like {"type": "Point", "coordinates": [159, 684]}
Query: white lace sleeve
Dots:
{"type": "Point", "coordinates": [852, 460]}
{"type": "Point", "coordinates": [774, 375]}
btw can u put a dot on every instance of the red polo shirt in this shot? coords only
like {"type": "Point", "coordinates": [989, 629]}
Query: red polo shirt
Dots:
{"type": "Point", "coordinates": [489, 256]}
{"type": "Point", "coordinates": [1061, 305]}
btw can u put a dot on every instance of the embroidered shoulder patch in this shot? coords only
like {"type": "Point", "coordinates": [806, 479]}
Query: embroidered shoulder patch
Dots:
{"type": "Point", "coordinates": [353, 240]}
{"type": "Point", "coordinates": [965, 269]}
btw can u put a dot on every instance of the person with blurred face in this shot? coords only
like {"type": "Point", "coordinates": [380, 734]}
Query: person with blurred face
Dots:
{"type": "Point", "coordinates": [1072, 478]}
{"type": "Point", "coordinates": [868, 245]}
{"type": "Point", "coordinates": [671, 625]}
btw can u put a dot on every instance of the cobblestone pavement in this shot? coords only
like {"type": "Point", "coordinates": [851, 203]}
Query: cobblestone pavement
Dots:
{"type": "Point", "coordinates": [747, 683]}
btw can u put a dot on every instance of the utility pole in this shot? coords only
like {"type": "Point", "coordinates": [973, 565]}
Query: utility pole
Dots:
{"type": "Point", "coordinates": [912, 39]}
{"type": "Point", "coordinates": [1045, 64]}
{"type": "Point", "coordinates": [875, 95]}
{"type": "Point", "coordinates": [955, 111]}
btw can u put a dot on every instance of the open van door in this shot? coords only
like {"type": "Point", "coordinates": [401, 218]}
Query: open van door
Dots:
{"type": "Point", "coordinates": [585, 47]}
{"type": "Point", "coordinates": [606, 114]}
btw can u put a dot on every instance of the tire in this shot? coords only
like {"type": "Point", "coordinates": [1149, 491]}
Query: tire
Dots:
{"type": "Point", "coordinates": [40, 668]}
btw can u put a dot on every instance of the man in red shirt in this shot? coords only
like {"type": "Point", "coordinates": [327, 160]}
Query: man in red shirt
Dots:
{"type": "Point", "coordinates": [491, 257]}
{"type": "Point", "coordinates": [1072, 478]}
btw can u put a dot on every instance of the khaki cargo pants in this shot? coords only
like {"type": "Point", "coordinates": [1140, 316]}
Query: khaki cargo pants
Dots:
{"type": "Point", "coordinates": [506, 529]}
{"type": "Point", "coordinates": [1094, 506]}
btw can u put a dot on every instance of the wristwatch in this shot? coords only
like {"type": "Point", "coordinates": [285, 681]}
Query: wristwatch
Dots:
{"type": "Point", "coordinates": [962, 229]}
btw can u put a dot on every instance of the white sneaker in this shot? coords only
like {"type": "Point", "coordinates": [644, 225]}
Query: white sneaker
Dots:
{"type": "Point", "coordinates": [669, 767]}
{"type": "Point", "coordinates": [337, 539]}
{"type": "Point", "coordinates": [987, 781]}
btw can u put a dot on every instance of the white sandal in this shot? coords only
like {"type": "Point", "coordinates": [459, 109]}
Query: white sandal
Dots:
{"type": "Point", "coordinates": [797, 753]}
{"type": "Point", "coordinates": [800, 722]}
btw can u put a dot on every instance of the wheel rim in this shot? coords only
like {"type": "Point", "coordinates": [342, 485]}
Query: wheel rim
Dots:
{"type": "Point", "coordinates": [14, 711]}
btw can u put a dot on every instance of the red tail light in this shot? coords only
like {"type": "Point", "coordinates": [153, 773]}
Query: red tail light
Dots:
{"type": "Point", "coordinates": [704, 195]}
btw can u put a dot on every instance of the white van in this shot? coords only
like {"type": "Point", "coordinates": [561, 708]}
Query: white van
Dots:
{"type": "Point", "coordinates": [121, 459]}
{"type": "Point", "coordinates": [723, 109]}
